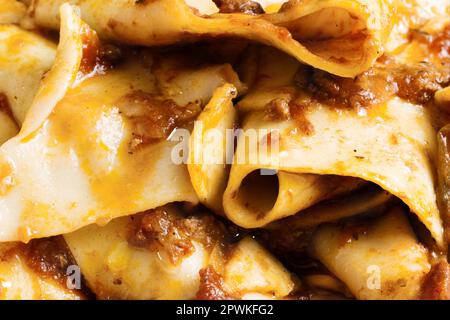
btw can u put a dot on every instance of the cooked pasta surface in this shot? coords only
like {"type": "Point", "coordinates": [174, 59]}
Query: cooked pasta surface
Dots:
{"type": "Point", "coordinates": [224, 149]}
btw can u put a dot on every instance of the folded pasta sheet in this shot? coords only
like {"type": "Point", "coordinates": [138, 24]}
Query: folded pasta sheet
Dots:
{"type": "Point", "coordinates": [322, 136]}
{"type": "Point", "coordinates": [209, 148]}
{"type": "Point", "coordinates": [8, 126]}
{"type": "Point", "coordinates": [415, 15]}
{"type": "Point", "coordinates": [24, 59]}
{"type": "Point", "coordinates": [98, 129]}
{"type": "Point", "coordinates": [224, 149]}
{"type": "Point", "coordinates": [36, 271]}
{"type": "Point", "coordinates": [377, 260]}
{"type": "Point", "coordinates": [347, 46]}
{"type": "Point", "coordinates": [167, 253]}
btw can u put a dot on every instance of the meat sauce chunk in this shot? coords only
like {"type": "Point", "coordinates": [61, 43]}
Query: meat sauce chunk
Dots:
{"type": "Point", "coordinates": [415, 83]}
{"type": "Point", "coordinates": [97, 56]}
{"type": "Point", "coordinates": [154, 118]}
{"type": "Point", "coordinates": [173, 233]}
{"type": "Point", "coordinates": [239, 6]}
{"type": "Point", "coordinates": [211, 285]}
{"type": "Point", "coordinates": [438, 43]}
{"type": "Point", "coordinates": [49, 257]}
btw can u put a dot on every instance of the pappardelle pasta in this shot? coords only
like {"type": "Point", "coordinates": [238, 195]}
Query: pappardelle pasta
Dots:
{"type": "Point", "coordinates": [224, 149]}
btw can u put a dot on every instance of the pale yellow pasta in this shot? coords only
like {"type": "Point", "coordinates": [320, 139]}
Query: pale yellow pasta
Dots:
{"type": "Point", "coordinates": [208, 152]}
{"type": "Point", "coordinates": [89, 151]}
{"type": "Point", "coordinates": [24, 59]}
{"type": "Point", "coordinates": [388, 144]}
{"type": "Point", "coordinates": [224, 149]}
{"type": "Point", "coordinates": [346, 47]}
{"type": "Point", "coordinates": [11, 11]}
{"type": "Point", "coordinates": [114, 268]}
{"type": "Point", "coordinates": [20, 282]}
{"type": "Point", "coordinates": [380, 260]}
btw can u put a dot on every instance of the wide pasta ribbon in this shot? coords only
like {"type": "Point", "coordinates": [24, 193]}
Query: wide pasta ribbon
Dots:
{"type": "Point", "coordinates": [379, 260]}
{"type": "Point", "coordinates": [89, 149]}
{"type": "Point", "coordinates": [175, 266]}
{"type": "Point", "coordinates": [390, 144]}
{"type": "Point", "coordinates": [342, 37]}
{"type": "Point", "coordinates": [24, 59]}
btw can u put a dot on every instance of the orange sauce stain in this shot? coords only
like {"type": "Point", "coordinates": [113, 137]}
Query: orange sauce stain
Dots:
{"type": "Point", "coordinates": [87, 122]}
{"type": "Point", "coordinates": [35, 219]}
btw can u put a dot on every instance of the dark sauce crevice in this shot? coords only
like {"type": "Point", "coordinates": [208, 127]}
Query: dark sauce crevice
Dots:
{"type": "Point", "coordinates": [51, 258]}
